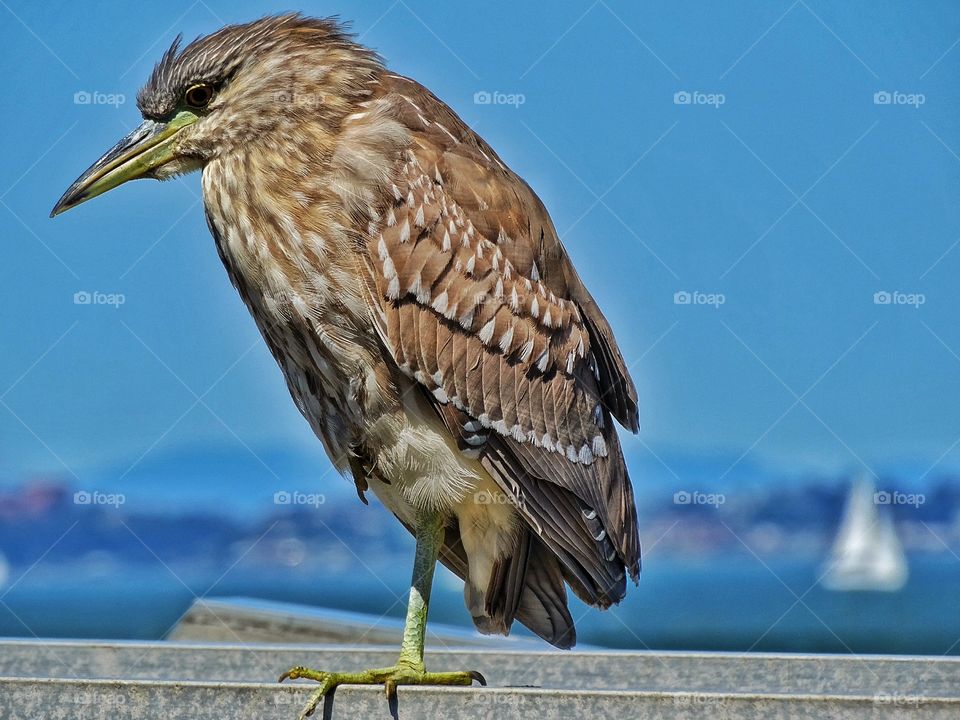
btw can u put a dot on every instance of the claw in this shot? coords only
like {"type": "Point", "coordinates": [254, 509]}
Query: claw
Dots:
{"type": "Point", "coordinates": [327, 686]}
{"type": "Point", "coordinates": [478, 677]}
{"type": "Point", "coordinates": [390, 688]}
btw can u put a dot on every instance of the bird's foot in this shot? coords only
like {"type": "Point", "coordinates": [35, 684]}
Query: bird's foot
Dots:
{"type": "Point", "coordinates": [403, 673]}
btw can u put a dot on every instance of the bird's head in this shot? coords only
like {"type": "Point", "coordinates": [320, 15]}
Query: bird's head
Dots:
{"type": "Point", "coordinates": [241, 86]}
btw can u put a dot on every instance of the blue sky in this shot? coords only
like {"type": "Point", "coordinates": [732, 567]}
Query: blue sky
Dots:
{"type": "Point", "coordinates": [786, 188]}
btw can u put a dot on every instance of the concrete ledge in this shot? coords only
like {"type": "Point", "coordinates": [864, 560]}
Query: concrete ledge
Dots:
{"type": "Point", "coordinates": [197, 680]}
{"type": "Point", "coordinates": [875, 675]}
{"type": "Point", "coordinates": [147, 700]}
{"type": "Point", "coordinates": [252, 620]}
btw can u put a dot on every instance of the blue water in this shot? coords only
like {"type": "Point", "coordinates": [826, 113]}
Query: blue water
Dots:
{"type": "Point", "coordinates": [717, 604]}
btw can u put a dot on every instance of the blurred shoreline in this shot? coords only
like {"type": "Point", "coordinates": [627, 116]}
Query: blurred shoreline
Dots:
{"type": "Point", "coordinates": [732, 567]}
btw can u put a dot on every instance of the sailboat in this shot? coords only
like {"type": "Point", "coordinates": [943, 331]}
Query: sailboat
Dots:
{"type": "Point", "coordinates": [867, 554]}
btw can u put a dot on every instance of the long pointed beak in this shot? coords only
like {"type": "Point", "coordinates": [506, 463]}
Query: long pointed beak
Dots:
{"type": "Point", "coordinates": [138, 155]}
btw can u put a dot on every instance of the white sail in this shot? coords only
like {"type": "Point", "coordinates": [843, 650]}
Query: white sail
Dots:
{"type": "Point", "coordinates": [867, 554]}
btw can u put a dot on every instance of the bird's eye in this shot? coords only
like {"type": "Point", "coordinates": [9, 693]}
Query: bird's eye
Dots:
{"type": "Point", "coordinates": [198, 96]}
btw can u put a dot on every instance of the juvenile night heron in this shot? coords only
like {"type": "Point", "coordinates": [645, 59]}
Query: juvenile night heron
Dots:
{"type": "Point", "coordinates": [429, 323]}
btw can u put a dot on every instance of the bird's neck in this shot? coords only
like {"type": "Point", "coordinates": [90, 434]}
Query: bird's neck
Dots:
{"type": "Point", "coordinates": [291, 213]}
{"type": "Point", "coordinates": [290, 235]}
{"type": "Point", "coordinates": [280, 230]}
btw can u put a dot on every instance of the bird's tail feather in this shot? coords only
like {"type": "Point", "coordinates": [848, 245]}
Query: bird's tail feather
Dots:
{"type": "Point", "coordinates": [527, 586]}
{"type": "Point", "coordinates": [543, 603]}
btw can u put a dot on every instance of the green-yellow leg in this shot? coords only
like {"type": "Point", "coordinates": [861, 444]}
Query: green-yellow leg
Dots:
{"type": "Point", "coordinates": [409, 669]}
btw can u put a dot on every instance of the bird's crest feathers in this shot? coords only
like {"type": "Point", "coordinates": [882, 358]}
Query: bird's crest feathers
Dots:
{"type": "Point", "coordinates": [216, 57]}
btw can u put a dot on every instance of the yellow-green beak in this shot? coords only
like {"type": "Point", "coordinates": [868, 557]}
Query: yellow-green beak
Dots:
{"type": "Point", "coordinates": [138, 155]}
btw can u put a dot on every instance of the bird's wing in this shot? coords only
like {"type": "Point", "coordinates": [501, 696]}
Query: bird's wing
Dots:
{"type": "Point", "coordinates": [476, 299]}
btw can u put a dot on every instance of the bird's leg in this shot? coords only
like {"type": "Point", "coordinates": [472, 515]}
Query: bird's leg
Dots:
{"type": "Point", "coordinates": [410, 668]}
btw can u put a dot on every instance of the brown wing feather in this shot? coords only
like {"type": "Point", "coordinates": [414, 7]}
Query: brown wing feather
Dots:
{"type": "Point", "coordinates": [479, 303]}
{"type": "Point", "coordinates": [496, 199]}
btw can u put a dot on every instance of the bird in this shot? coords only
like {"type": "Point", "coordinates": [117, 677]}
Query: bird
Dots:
{"type": "Point", "coordinates": [428, 321]}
